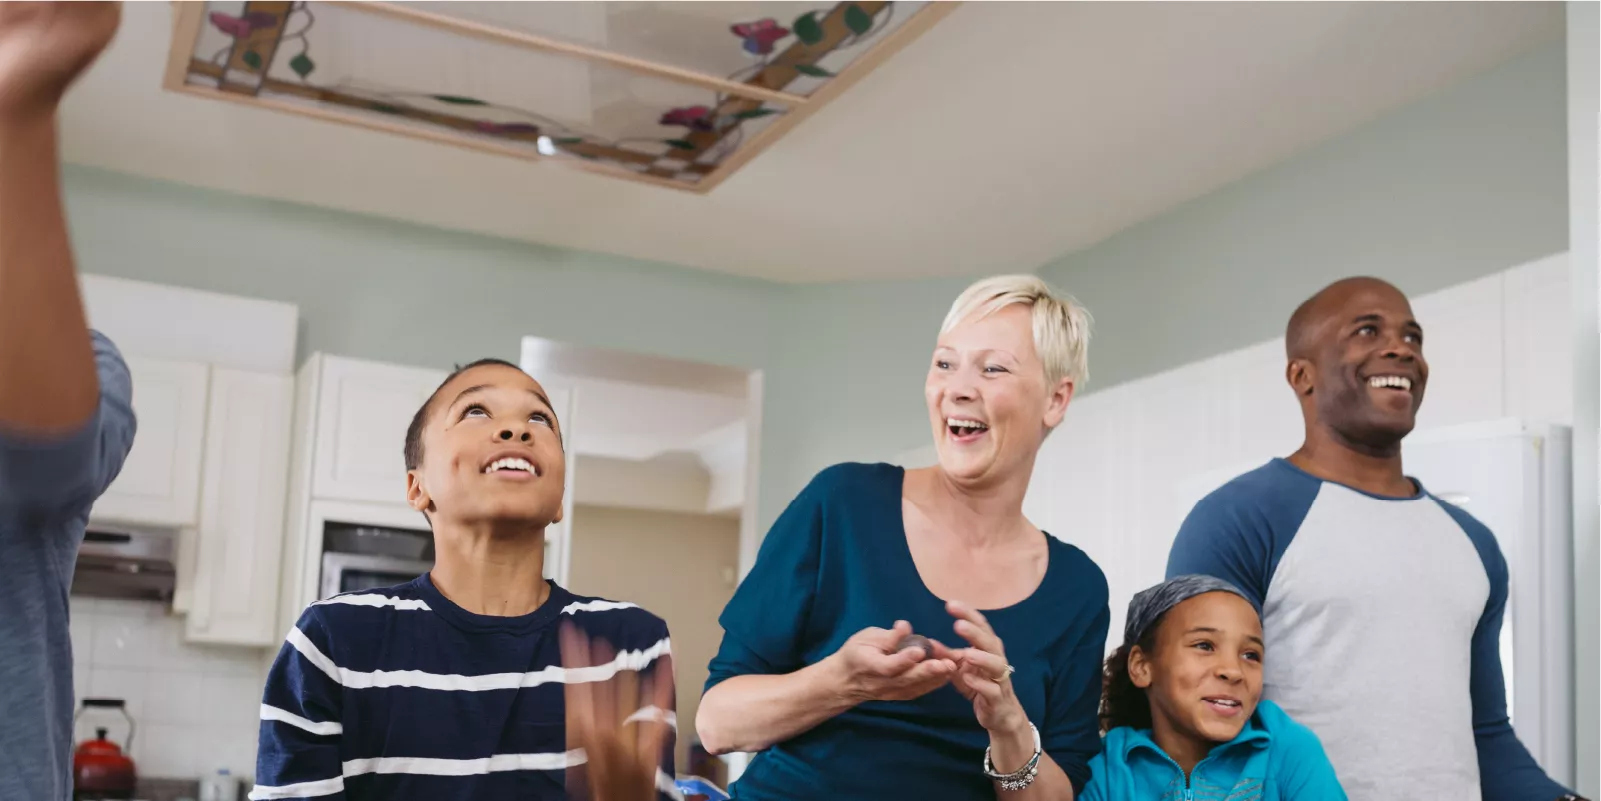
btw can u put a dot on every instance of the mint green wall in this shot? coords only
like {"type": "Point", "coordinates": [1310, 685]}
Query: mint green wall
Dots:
{"type": "Point", "coordinates": [843, 364]}
{"type": "Point", "coordinates": [1466, 182]}
{"type": "Point", "coordinates": [1469, 181]}
{"type": "Point", "coordinates": [848, 379]}
{"type": "Point", "coordinates": [403, 293]}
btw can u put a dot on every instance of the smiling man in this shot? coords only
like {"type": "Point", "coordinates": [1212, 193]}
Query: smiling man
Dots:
{"type": "Point", "coordinates": [480, 679]}
{"type": "Point", "coordinates": [1381, 604]}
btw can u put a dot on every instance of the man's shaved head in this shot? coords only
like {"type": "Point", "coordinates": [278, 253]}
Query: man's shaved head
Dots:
{"type": "Point", "coordinates": [1301, 335]}
{"type": "Point", "coordinates": [1355, 361]}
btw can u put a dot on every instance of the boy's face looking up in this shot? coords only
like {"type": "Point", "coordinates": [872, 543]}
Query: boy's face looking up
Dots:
{"type": "Point", "coordinates": [490, 452]}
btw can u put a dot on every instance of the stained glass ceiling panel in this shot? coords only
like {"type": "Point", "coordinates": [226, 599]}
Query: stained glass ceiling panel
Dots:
{"type": "Point", "coordinates": [569, 81]}
{"type": "Point", "coordinates": [791, 47]}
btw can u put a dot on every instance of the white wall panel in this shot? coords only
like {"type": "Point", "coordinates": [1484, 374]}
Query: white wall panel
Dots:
{"type": "Point", "coordinates": [1464, 341]}
{"type": "Point", "coordinates": [1539, 337]}
{"type": "Point", "coordinates": [1265, 417]}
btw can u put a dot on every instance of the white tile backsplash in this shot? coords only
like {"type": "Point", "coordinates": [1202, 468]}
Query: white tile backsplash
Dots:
{"type": "Point", "coordinates": [129, 685]}
{"type": "Point", "coordinates": [196, 706]}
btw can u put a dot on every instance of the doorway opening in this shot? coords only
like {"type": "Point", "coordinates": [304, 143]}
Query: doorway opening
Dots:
{"type": "Point", "coordinates": [661, 500]}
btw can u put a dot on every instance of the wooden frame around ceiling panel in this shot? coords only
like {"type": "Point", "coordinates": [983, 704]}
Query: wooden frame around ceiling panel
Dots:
{"type": "Point", "coordinates": [189, 18]}
{"type": "Point", "coordinates": [897, 40]}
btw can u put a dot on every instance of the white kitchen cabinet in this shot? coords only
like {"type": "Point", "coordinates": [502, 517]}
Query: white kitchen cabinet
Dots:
{"type": "Point", "coordinates": [238, 544]}
{"type": "Point", "coordinates": [363, 409]}
{"type": "Point", "coordinates": [160, 481]}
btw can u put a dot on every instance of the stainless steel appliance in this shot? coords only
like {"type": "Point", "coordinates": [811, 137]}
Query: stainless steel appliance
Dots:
{"type": "Point", "coordinates": [363, 557]}
{"type": "Point", "coordinates": [349, 572]}
{"type": "Point", "coordinates": [130, 562]}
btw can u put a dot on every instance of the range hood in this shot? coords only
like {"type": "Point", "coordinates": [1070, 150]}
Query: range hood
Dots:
{"type": "Point", "coordinates": [129, 562]}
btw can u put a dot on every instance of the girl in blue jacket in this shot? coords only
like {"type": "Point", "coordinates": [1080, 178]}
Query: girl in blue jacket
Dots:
{"type": "Point", "coordinates": [1182, 711]}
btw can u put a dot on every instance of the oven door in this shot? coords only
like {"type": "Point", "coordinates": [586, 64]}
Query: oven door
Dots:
{"type": "Point", "coordinates": [351, 572]}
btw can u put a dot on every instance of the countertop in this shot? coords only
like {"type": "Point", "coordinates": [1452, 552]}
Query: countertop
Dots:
{"type": "Point", "coordinates": [155, 788]}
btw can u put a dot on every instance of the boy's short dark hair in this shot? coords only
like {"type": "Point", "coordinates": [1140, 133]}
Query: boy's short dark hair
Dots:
{"type": "Point", "coordinates": [413, 450]}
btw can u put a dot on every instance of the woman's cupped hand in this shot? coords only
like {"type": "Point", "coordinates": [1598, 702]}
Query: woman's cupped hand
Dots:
{"type": "Point", "coordinates": [875, 668]}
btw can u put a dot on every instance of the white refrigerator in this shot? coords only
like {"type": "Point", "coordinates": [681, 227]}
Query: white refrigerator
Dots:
{"type": "Point", "coordinates": [1516, 478]}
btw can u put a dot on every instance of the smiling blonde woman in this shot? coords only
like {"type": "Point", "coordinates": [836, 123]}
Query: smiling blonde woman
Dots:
{"type": "Point", "coordinates": [815, 670]}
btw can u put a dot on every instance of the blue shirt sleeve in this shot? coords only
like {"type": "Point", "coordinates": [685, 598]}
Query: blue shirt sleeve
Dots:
{"type": "Point", "coordinates": [1507, 772]}
{"type": "Point", "coordinates": [763, 623]}
{"type": "Point", "coordinates": [1071, 734]}
{"type": "Point", "coordinates": [51, 476]}
{"type": "Point", "coordinates": [1239, 532]}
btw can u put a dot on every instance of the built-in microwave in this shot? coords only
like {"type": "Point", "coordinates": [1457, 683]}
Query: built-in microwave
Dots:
{"type": "Point", "coordinates": [361, 557]}
{"type": "Point", "coordinates": [351, 572]}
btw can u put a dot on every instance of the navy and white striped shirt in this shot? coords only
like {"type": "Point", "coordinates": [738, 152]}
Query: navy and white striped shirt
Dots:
{"type": "Point", "coordinates": [399, 694]}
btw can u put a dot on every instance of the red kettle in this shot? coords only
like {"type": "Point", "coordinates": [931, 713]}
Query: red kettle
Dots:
{"type": "Point", "coordinates": [100, 769]}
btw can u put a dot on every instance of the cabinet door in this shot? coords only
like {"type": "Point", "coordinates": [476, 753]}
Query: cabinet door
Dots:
{"type": "Point", "coordinates": [362, 416]}
{"type": "Point", "coordinates": [160, 481]}
{"type": "Point", "coordinates": [246, 477]}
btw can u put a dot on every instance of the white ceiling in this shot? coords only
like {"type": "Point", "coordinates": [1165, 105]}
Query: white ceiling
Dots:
{"type": "Point", "coordinates": [1010, 134]}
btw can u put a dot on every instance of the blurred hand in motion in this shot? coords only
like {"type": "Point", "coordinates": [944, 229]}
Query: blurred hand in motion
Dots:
{"type": "Point", "coordinates": [621, 723]}
{"type": "Point", "coordinates": [45, 46]}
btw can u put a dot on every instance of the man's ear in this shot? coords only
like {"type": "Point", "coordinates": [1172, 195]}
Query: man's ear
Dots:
{"type": "Point", "coordinates": [1139, 667]}
{"type": "Point", "coordinates": [1299, 375]}
{"type": "Point", "coordinates": [417, 493]}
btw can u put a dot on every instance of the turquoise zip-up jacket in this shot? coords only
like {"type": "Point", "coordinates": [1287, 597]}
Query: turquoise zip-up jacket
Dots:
{"type": "Point", "coordinates": [1273, 759]}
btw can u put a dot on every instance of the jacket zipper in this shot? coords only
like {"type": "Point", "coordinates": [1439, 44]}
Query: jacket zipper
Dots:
{"type": "Point", "coordinates": [1189, 792]}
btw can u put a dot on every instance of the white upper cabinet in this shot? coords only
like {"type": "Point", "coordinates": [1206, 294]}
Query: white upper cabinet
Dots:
{"type": "Point", "coordinates": [239, 541]}
{"type": "Point", "coordinates": [363, 410]}
{"type": "Point", "coordinates": [160, 482]}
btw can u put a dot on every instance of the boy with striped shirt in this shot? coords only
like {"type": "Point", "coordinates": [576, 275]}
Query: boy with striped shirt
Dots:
{"type": "Point", "coordinates": [480, 679]}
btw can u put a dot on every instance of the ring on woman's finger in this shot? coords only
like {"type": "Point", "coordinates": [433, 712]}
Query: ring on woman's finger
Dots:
{"type": "Point", "coordinates": [1009, 671]}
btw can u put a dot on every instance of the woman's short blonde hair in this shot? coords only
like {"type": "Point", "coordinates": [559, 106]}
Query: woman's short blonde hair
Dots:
{"type": "Point", "coordinates": [1061, 325]}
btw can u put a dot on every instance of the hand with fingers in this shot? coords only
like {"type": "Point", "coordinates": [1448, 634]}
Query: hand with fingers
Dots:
{"type": "Point", "coordinates": [44, 47]}
{"type": "Point", "coordinates": [878, 668]}
{"type": "Point", "coordinates": [622, 724]}
{"type": "Point", "coordinates": [983, 675]}
{"type": "Point", "coordinates": [985, 678]}
{"type": "Point", "coordinates": [1013, 759]}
